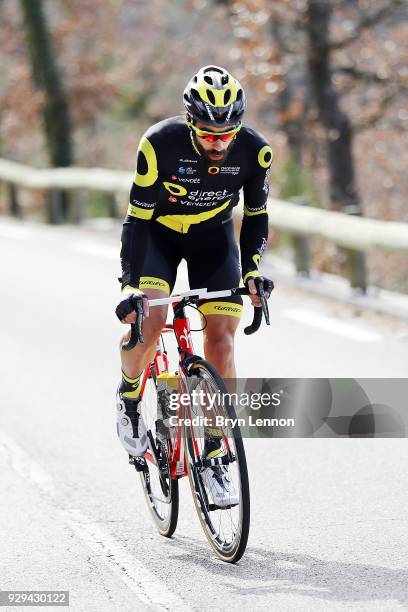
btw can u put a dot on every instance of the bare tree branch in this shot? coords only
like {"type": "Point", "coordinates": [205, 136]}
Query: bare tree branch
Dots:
{"type": "Point", "coordinates": [373, 119]}
{"type": "Point", "coordinates": [367, 22]}
{"type": "Point", "coordinates": [370, 77]}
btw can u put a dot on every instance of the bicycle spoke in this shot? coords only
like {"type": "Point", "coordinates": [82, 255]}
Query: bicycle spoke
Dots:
{"type": "Point", "coordinates": [226, 526]}
{"type": "Point", "coordinates": [160, 490]}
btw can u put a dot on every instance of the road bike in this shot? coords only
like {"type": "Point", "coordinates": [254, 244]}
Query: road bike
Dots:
{"type": "Point", "coordinates": [181, 411]}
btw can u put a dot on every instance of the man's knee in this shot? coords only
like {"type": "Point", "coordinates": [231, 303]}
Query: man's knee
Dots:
{"type": "Point", "coordinates": [220, 342]}
{"type": "Point", "coordinates": [155, 322]}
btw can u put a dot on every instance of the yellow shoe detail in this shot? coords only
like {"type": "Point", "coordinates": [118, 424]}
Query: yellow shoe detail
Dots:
{"type": "Point", "coordinates": [213, 431]}
{"type": "Point", "coordinates": [215, 453]}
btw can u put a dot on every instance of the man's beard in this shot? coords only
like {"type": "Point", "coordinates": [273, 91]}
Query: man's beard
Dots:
{"type": "Point", "coordinates": [206, 154]}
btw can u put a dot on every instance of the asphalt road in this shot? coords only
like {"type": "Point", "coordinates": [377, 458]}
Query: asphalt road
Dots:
{"type": "Point", "coordinates": [329, 527]}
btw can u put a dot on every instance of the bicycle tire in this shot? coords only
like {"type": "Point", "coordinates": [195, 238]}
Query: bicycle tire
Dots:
{"type": "Point", "coordinates": [233, 552]}
{"type": "Point", "coordinates": [166, 523]}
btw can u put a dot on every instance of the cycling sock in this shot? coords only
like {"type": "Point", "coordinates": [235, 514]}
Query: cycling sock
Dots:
{"type": "Point", "coordinates": [213, 442]}
{"type": "Point", "coordinates": [130, 387]}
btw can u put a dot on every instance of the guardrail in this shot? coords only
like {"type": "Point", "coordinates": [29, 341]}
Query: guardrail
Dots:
{"type": "Point", "coordinates": [356, 233]}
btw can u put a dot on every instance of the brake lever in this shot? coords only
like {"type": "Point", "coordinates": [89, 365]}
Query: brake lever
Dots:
{"type": "Point", "coordinates": [265, 309]}
{"type": "Point", "coordinates": [140, 317]}
{"type": "Point", "coordinates": [264, 303]}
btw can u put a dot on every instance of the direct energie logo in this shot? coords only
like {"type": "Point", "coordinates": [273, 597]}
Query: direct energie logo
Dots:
{"type": "Point", "coordinates": [213, 170]}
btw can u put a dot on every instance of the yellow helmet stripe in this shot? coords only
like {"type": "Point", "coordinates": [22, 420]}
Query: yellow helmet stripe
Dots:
{"type": "Point", "coordinates": [204, 88]}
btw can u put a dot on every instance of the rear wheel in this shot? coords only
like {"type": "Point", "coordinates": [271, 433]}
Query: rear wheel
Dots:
{"type": "Point", "coordinates": [226, 528]}
{"type": "Point", "coordinates": [161, 491]}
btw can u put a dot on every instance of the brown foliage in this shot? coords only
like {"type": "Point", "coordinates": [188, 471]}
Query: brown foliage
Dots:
{"type": "Point", "coordinates": [126, 62]}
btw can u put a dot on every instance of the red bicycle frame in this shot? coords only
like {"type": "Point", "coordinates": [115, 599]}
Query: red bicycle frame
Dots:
{"type": "Point", "coordinates": [181, 329]}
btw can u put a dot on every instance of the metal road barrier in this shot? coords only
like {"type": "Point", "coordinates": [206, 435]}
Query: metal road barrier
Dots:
{"type": "Point", "coordinates": [356, 233]}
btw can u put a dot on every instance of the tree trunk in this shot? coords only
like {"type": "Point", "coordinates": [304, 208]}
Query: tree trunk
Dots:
{"type": "Point", "coordinates": [47, 78]}
{"type": "Point", "coordinates": [292, 127]}
{"type": "Point", "coordinates": [343, 192]}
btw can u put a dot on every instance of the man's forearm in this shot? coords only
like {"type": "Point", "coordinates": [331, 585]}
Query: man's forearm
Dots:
{"type": "Point", "coordinates": [135, 238]}
{"type": "Point", "coordinates": [253, 239]}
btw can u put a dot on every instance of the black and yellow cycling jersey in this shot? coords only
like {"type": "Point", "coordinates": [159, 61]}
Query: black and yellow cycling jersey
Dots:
{"type": "Point", "coordinates": [178, 189]}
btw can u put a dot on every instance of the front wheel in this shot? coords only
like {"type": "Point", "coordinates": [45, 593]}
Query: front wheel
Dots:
{"type": "Point", "coordinates": [226, 527]}
{"type": "Point", "coordinates": [161, 491]}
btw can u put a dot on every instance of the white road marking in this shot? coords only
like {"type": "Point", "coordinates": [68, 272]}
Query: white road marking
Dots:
{"type": "Point", "coordinates": [331, 325]}
{"type": "Point", "coordinates": [25, 467]}
{"type": "Point", "coordinates": [13, 232]}
{"type": "Point", "coordinates": [95, 249]}
{"type": "Point", "coordinates": [143, 583]}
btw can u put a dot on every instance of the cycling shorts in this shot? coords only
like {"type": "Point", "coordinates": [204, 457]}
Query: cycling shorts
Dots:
{"type": "Point", "coordinates": [212, 258]}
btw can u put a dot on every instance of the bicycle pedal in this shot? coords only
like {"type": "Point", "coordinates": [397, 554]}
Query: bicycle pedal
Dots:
{"type": "Point", "coordinates": [139, 464]}
{"type": "Point", "coordinates": [213, 507]}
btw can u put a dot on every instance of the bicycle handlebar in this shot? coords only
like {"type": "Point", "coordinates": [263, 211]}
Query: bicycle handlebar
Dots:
{"type": "Point", "coordinates": [136, 334]}
{"type": "Point", "coordinates": [256, 322]}
{"type": "Point", "coordinates": [258, 310]}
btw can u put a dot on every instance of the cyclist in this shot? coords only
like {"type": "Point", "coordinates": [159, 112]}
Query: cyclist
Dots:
{"type": "Point", "coordinates": [189, 172]}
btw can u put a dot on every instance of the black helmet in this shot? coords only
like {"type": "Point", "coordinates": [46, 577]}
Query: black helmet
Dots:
{"type": "Point", "coordinates": [214, 96]}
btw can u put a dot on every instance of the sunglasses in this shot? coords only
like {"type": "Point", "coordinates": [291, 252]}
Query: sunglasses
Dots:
{"type": "Point", "coordinates": [213, 136]}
